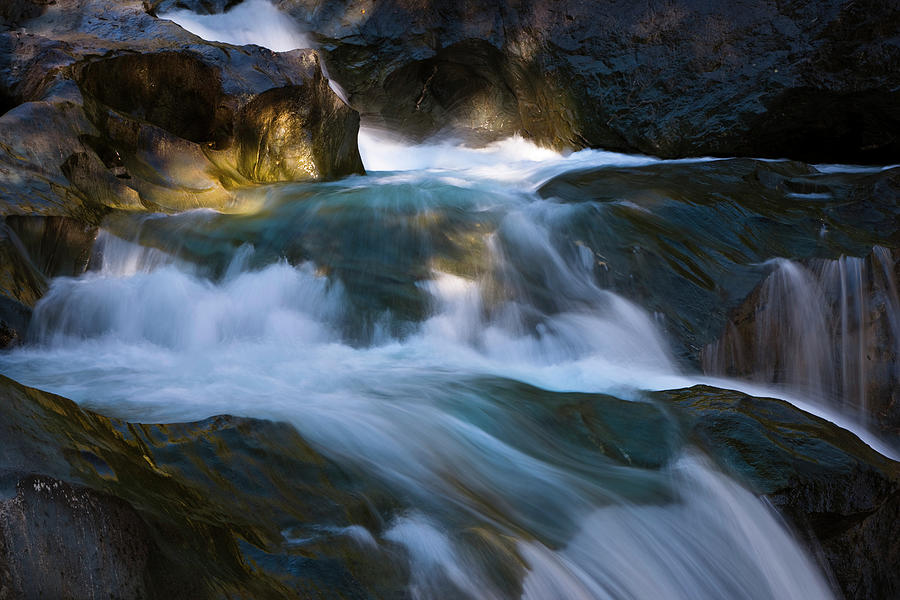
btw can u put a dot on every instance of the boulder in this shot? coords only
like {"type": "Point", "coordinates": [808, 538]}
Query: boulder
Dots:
{"type": "Point", "coordinates": [112, 108]}
{"type": "Point", "coordinates": [690, 241]}
{"type": "Point", "coordinates": [829, 326]}
{"type": "Point", "coordinates": [840, 495]}
{"type": "Point", "coordinates": [226, 507]}
{"type": "Point", "coordinates": [814, 81]}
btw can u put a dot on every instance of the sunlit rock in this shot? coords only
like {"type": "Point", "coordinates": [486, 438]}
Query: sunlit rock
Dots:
{"type": "Point", "coordinates": [120, 110]}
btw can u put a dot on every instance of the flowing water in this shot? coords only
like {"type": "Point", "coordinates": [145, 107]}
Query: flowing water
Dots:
{"type": "Point", "coordinates": [393, 319]}
{"type": "Point", "coordinates": [250, 22]}
{"type": "Point", "coordinates": [377, 315]}
{"type": "Point", "coordinates": [827, 329]}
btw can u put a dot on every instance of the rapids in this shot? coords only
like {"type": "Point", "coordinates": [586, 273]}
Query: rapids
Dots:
{"type": "Point", "coordinates": [390, 318]}
{"type": "Point", "coordinates": [377, 315]}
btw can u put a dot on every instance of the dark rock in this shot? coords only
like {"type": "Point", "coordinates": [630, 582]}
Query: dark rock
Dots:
{"type": "Point", "coordinates": [690, 241]}
{"type": "Point", "coordinates": [32, 250]}
{"type": "Point", "coordinates": [842, 342]}
{"type": "Point", "coordinates": [841, 496]}
{"type": "Point", "coordinates": [14, 320]}
{"type": "Point", "coordinates": [22, 280]}
{"type": "Point", "coordinates": [21, 284]}
{"type": "Point", "coordinates": [805, 80]}
{"type": "Point", "coordinates": [63, 541]}
{"type": "Point", "coordinates": [15, 12]}
{"type": "Point", "coordinates": [198, 510]}
{"type": "Point", "coordinates": [56, 246]}
{"type": "Point", "coordinates": [471, 91]}
{"type": "Point", "coordinates": [175, 91]}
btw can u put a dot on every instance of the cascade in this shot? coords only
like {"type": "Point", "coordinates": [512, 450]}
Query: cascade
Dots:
{"type": "Point", "coordinates": [824, 328]}
{"type": "Point", "coordinates": [441, 327]}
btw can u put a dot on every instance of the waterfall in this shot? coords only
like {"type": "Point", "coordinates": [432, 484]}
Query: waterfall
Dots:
{"type": "Point", "coordinates": [160, 334]}
{"type": "Point", "coordinates": [827, 329]}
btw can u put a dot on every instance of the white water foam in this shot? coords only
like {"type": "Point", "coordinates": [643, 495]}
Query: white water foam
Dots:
{"type": "Point", "coordinates": [250, 22]}
{"type": "Point", "coordinates": [513, 159]}
{"type": "Point", "coordinates": [151, 340]}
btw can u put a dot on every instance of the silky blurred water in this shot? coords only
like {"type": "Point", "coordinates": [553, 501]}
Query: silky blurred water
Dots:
{"type": "Point", "coordinates": [377, 315]}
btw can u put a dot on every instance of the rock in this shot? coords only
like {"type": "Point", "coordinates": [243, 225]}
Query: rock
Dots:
{"type": "Point", "coordinates": [32, 250]}
{"type": "Point", "coordinates": [93, 542]}
{"type": "Point", "coordinates": [689, 241]}
{"type": "Point", "coordinates": [838, 494]}
{"type": "Point", "coordinates": [116, 109]}
{"type": "Point", "coordinates": [21, 284]}
{"type": "Point", "coordinates": [245, 507]}
{"type": "Point", "coordinates": [14, 12]}
{"type": "Point", "coordinates": [813, 81]}
{"type": "Point", "coordinates": [196, 510]}
{"type": "Point", "coordinates": [841, 495]}
{"type": "Point", "coordinates": [269, 127]}
{"type": "Point", "coordinates": [829, 326]}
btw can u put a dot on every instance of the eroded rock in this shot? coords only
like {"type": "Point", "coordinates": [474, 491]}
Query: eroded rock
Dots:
{"type": "Point", "coordinates": [116, 109]}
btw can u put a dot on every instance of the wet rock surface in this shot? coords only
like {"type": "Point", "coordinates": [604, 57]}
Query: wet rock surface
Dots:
{"type": "Point", "coordinates": [231, 506]}
{"type": "Point", "coordinates": [108, 107]}
{"type": "Point", "coordinates": [691, 241]}
{"type": "Point", "coordinates": [840, 495]}
{"type": "Point", "coordinates": [805, 80]}
{"type": "Point", "coordinates": [32, 250]}
{"type": "Point", "coordinates": [63, 541]}
{"type": "Point", "coordinates": [105, 108]}
{"type": "Point", "coordinates": [830, 326]}
{"type": "Point", "coordinates": [198, 510]}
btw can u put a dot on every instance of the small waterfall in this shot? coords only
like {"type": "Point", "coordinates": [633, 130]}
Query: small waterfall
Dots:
{"type": "Point", "coordinates": [112, 256]}
{"type": "Point", "coordinates": [828, 329]}
{"type": "Point", "coordinates": [250, 22]}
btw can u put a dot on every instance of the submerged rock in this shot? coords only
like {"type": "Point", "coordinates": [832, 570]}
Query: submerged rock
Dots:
{"type": "Point", "coordinates": [111, 108]}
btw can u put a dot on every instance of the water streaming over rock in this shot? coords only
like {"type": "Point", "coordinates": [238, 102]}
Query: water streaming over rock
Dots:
{"type": "Point", "coordinates": [394, 320]}
{"type": "Point", "coordinates": [828, 329]}
{"type": "Point", "coordinates": [381, 315]}
{"type": "Point", "coordinates": [250, 22]}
